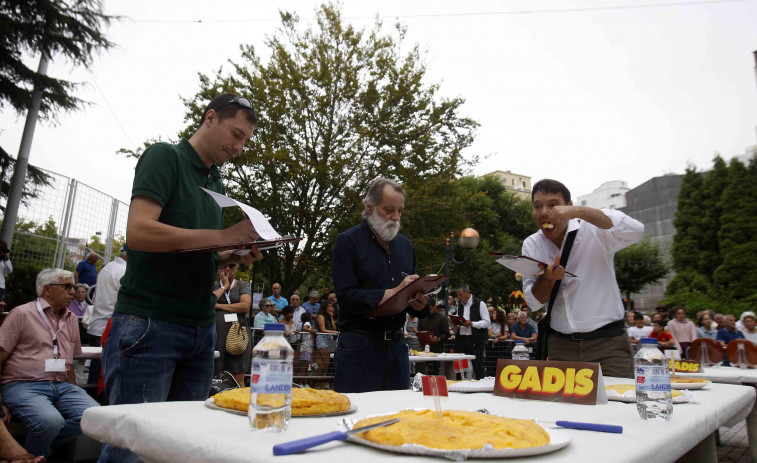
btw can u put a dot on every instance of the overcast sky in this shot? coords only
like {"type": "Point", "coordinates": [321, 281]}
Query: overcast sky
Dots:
{"type": "Point", "coordinates": [584, 91]}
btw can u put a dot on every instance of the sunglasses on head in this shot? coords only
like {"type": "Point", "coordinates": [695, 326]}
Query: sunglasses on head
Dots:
{"type": "Point", "coordinates": [238, 100]}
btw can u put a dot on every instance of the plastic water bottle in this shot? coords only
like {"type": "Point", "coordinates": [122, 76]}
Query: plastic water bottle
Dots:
{"type": "Point", "coordinates": [654, 399]}
{"type": "Point", "coordinates": [271, 385]}
{"type": "Point", "coordinates": [520, 352]}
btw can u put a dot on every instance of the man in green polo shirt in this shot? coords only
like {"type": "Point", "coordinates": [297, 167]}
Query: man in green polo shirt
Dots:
{"type": "Point", "coordinates": [162, 336]}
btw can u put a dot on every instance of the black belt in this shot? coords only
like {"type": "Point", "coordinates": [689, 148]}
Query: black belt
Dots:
{"type": "Point", "coordinates": [380, 335]}
{"type": "Point", "coordinates": [611, 329]}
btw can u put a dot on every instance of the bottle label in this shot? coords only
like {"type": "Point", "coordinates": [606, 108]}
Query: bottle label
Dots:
{"type": "Point", "coordinates": [652, 379]}
{"type": "Point", "coordinates": [271, 377]}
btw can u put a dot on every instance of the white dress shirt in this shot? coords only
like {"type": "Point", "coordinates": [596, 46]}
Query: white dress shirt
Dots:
{"type": "Point", "coordinates": [5, 268]}
{"type": "Point", "coordinates": [108, 284]}
{"type": "Point", "coordinates": [483, 323]}
{"type": "Point", "coordinates": [592, 298]}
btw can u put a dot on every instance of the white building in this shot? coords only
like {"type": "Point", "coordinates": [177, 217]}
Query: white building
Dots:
{"type": "Point", "coordinates": [515, 183]}
{"type": "Point", "coordinates": [609, 195]}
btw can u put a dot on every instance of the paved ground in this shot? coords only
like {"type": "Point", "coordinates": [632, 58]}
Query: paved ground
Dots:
{"type": "Point", "coordinates": [734, 448]}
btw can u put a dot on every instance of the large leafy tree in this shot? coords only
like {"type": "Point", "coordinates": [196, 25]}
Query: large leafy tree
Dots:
{"type": "Point", "coordinates": [736, 277]}
{"type": "Point", "coordinates": [35, 179]}
{"type": "Point", "coordinates": [338, 106]}
{"type": "Point", "coordinates": [68, 28]}
{"type": "Point", "coordinates": [637, 266]}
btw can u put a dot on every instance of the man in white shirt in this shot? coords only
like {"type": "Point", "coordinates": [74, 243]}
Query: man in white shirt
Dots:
{"type": "Point", "coordinates": [474, 333]}
{"type": "Point", "coordinates": [294, 301]}
{"type": "Point", "coordinates": [639, 330]}
{"type": "Point", "coordinates": [587, 314]}
{"type": "Point", "coordinates": [108, 284]}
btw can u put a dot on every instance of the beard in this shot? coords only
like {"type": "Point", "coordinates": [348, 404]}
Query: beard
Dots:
{"type": "Point", "coordinates": [385, 229]}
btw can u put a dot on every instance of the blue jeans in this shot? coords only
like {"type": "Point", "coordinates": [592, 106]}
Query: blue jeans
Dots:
{"type": "Point", "coordinates": [51, 411]}
{"type": "Point", "coordinates": [364, 364]}
{"type": "Point", "coordinates": [149, 360]}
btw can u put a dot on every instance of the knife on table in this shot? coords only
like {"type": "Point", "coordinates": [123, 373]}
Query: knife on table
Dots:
{"type": "Point", "coordinates": [301, 445]}
{"type": "Point", "coordinates": [587, 426]}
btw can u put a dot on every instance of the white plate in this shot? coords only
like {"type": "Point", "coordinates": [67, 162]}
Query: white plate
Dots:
{"type": "Point", "coordinates": [211, 403]}
{"type": "Point", "coordinates": [630, 397]}
{"type": "Point", "coordinates": [485, 385]}
{"type": "Point", "coordinates": [557, 440]}
{"type": "Point", "coordinates": [689, 386]}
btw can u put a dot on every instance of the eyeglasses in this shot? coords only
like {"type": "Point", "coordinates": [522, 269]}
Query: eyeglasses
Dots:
{"type": "Point", "coordinates": [66, 286]}
{"type": "Point", "coordinates": [269, 305]}
{"type": "Point", "coordinates": [241, 101]}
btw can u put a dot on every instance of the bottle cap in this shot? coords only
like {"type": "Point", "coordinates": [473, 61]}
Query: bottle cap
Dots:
{"type": "Point", "coordinates": [652, 341]}
{"type": "Point", "coordinates": [519, 341]}
{"type": "Point", "coordinates": [274, 327]}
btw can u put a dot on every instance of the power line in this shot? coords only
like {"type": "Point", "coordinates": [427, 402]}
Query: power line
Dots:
{"type": "Point", "coordinates": [483, 13]}
{"type": "Point", "coordinates": [94, 80]}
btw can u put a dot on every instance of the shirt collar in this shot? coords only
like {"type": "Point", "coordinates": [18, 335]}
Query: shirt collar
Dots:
{"type": "Point", "coordinates": [46, 305]}
{"type": "Point", "coordinates": [188, 150]}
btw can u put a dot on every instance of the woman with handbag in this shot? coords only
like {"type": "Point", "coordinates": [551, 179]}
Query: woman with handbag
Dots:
{"type": "Point", "coordinates": [233, 341]}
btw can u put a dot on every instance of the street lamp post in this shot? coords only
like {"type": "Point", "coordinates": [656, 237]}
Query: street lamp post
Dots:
{"type": "Point", "coordinates": [469, 239]}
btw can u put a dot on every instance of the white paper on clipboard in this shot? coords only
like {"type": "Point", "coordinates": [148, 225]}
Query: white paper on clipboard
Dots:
{"type": "Point", "coordinates": [524, 265]}
{"type": "Point", "coordinates": [259, 222]}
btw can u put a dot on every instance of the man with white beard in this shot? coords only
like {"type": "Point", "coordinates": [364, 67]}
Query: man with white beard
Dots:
{"type": "Point", "coordinates": [370, 263]}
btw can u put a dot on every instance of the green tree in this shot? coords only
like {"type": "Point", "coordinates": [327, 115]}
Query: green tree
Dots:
{"type": "Point", "coordinates": [338, 106]}
{"type": "Point", "coordinates": [68, 28]}
{"type": "Point", "coordinates": [35, 179]}
{"type": "Point", "coordinates": [637, 266]}
{"type": "Point", "coordinates": [715, 182]}
{"type": "Point", "coordinates": [736, 277]}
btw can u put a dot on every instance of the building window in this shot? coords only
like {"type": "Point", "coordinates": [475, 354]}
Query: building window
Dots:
{"type": "Point", "coordinates": [583, 202]}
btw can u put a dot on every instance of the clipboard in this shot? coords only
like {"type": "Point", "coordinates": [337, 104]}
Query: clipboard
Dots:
{"type": "Point", "coordinates": [522, 264]}
{"type": "Point", "coordinates": [424, 337]}
{"type": "Point", "coordinates": [260, 244]}
{"type": "Point", "coordinates": [399, 301]}
{"type": "Point", "coordinates": [457, 320]}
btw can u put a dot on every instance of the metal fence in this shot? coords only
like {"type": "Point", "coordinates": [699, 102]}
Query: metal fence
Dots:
{"type": "Point", "coordinates": [65, 221]}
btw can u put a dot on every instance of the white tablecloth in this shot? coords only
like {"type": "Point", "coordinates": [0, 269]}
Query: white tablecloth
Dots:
{"type": "Point", "coordinates": [188, 432]}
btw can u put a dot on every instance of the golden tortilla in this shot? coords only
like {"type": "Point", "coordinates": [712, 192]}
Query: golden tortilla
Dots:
{"type": "Point", "coordinates": [457, 430]}
{"type": "Point", "coordinates": [687, 379]}
{"type": "Point", "coordinates": [305, 401]}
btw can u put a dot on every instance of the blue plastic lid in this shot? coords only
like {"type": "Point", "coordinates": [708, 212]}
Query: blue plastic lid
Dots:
{"type": "Point", "coordinates": [649, 341]}
{"type": "Point", "coordinates": [519, 341]}
{"type": "Point", "coordinates": [274, 327]}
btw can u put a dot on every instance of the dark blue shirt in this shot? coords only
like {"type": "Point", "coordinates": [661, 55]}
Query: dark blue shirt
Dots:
{"type": "Point", "coordinates": [87, 272]}
{"type": "Point", "coordinates": [727, 336]}
{"type": "Point", "coordinates": [523, 333]}
{"type": "Point", "coordinates": [362, 270]}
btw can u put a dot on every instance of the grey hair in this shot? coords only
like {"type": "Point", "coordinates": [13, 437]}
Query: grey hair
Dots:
{"type": "Point", "coordinates": [464, 288]}
{"type": "Point", "coordinates": [376, 192]}
{"type": "Point", "coordinates": [81, 285]}
{"type": "Point", "coordinates": [49, 276]}
{"type": "Point", "coordinates": [313, 294]}
{"type": "Point", "coordinates": [263, 302]}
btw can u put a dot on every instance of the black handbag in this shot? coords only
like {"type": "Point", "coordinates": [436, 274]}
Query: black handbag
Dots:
{"type": "Point", "coordinates": [543, 327]}
{"type": "Point", "coordinates": [223, 382]}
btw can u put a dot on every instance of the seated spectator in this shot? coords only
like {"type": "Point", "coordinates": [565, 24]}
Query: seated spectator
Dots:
{"type": "Point", "coordinates": [683, 330]}
{"type": "Point", "coordinates": [528, 317]}
{"type": "Point", "coordinates": [639, 329]}
{"type": "Point", "coordinates": [290, 327]}
{"type": "Point", "coordinates": [729, 332]}
{"type": "Point", "coordinates": [719, 321]}
{"type": "Point", "coordinates": [79, 305]}
{"type": "Point", "coordinates": [749, 331]}
{"type": "Point", "coordinates": [664, 338]}
{"type": "Point", "coordinates": [298, 310]}
{"type": "Point", "coordinates": [707, 327]}
{"type": "Point", "coordinates": [740, 322]}
{"type": "Point", "coordinates": [498, 330]}
{"type": "Point", "coordinates": [38, 343]}
{"type": "Point", "coordinates": [264, 316]}
{"type": "Point", "coordinates": [312, 305]}
{"type": "Point", "coordinates": [523, 330]}
{"type": "Point", "coordinates": [411, 327]}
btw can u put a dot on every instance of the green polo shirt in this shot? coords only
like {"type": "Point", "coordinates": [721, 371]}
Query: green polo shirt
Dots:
{"type": "Point", "coordinates": [176, 288]}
